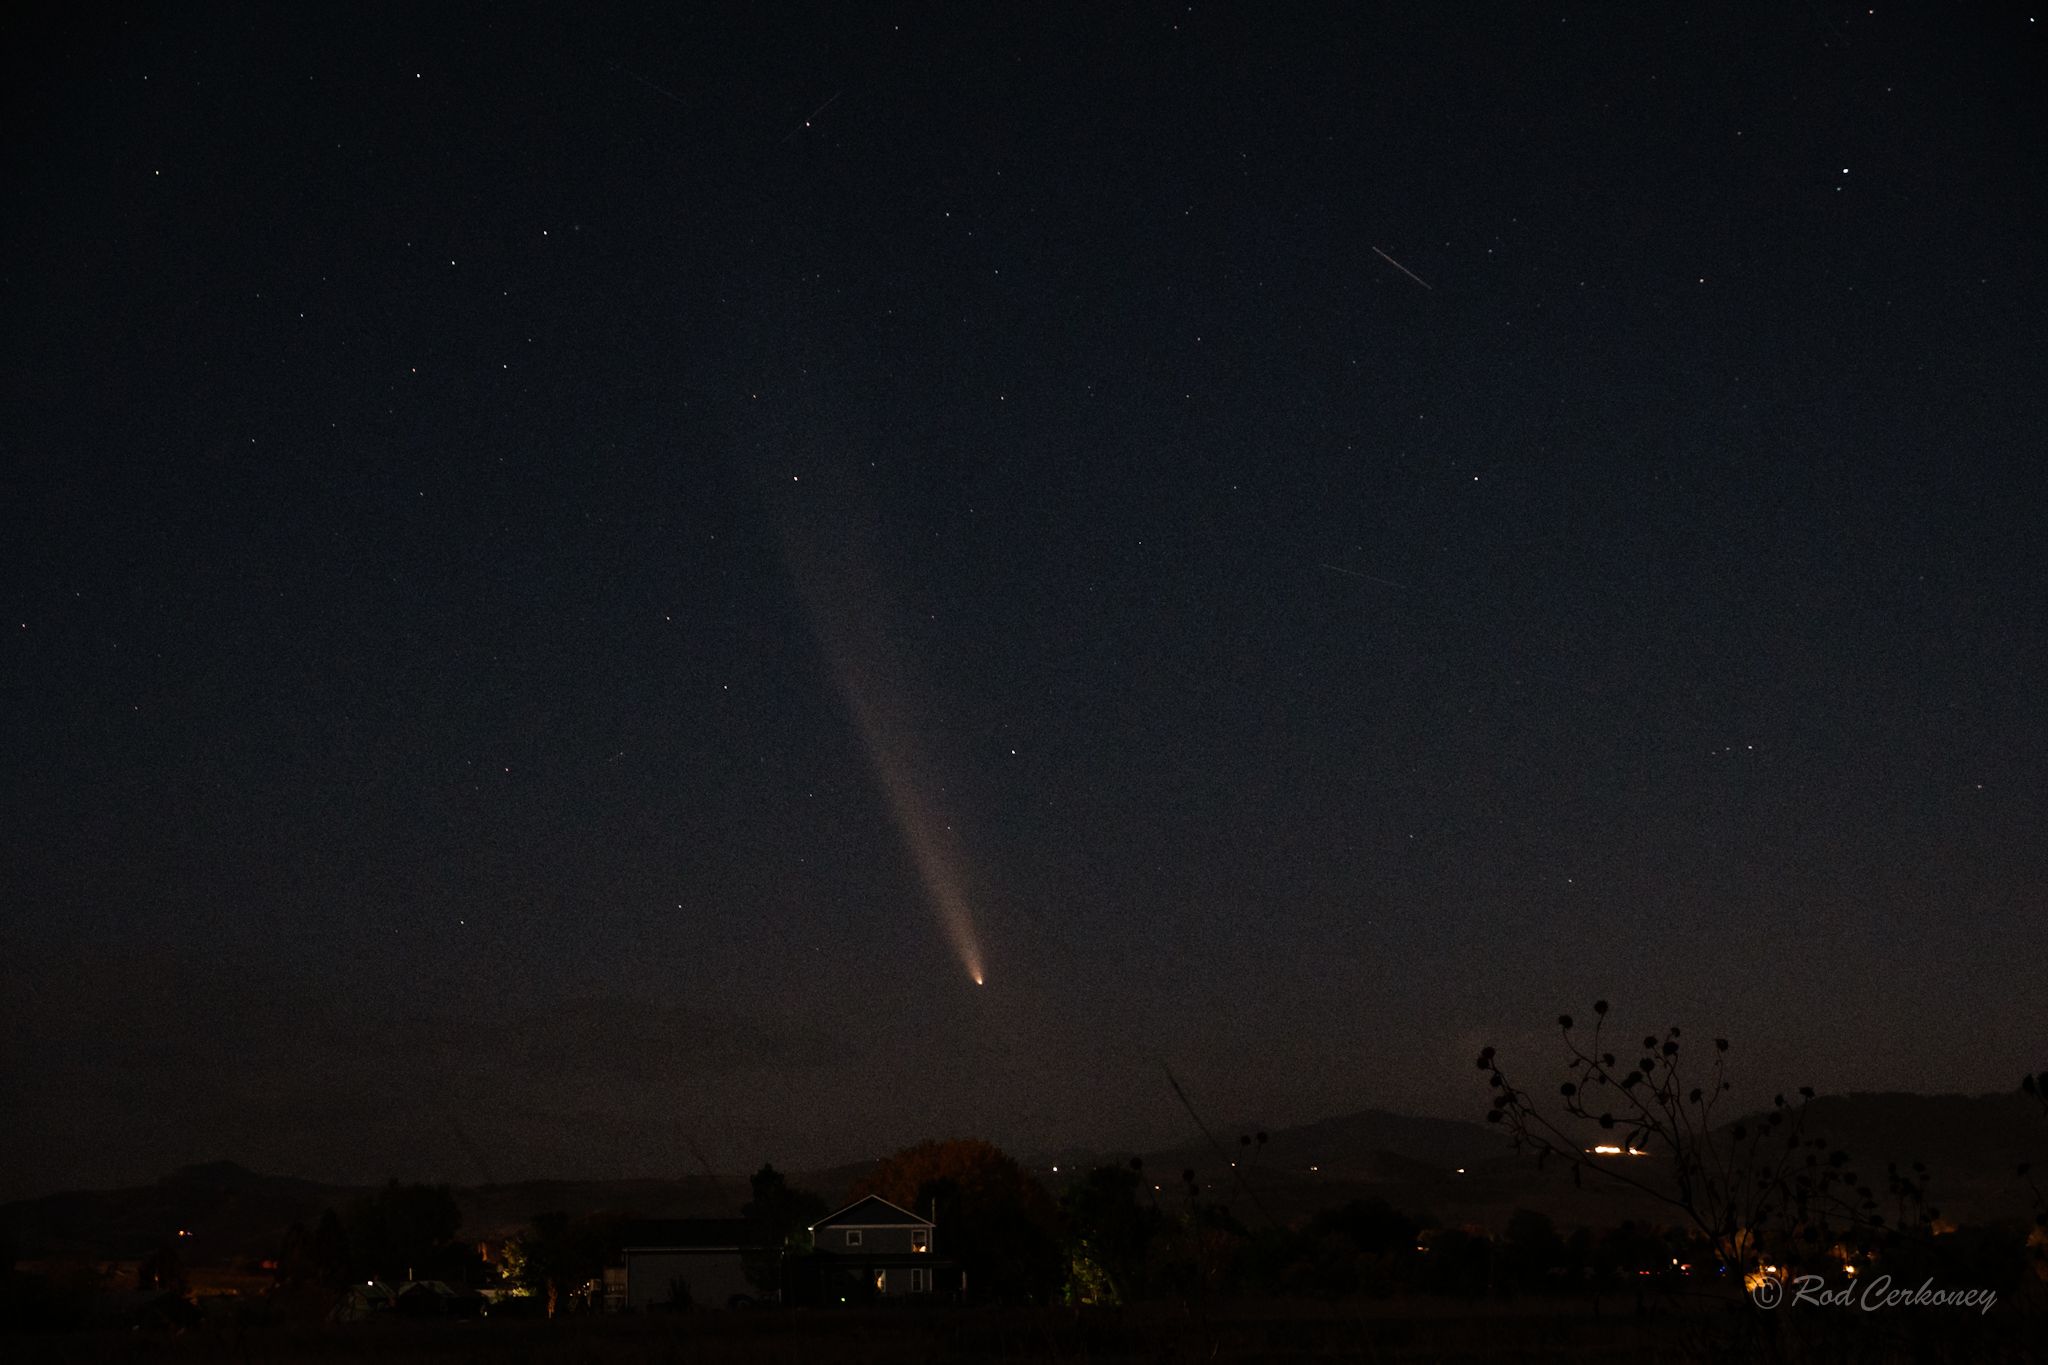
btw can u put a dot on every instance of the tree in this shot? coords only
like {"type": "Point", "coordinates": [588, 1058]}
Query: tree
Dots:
{"type": "Point", "coordinates": [1732, 1184]}
{"type": "Point", "coordinates": [2036, 1088]}
{"type": "Point", "coordinates": [553, 1256]}
{"type": "Point", "coordinates": [329, 1256]}
{"type": "Point", "coordinates": [779, 1220]}
{"type": "Point", "coordinates": [1532, 1249]}
{"type": "Point", "coordinates": [162, 1269]}
{"type": "Point", "coordinates": [1361, 1246]}
{"type": "Point", "coordinates": [992, 1217]}
{"type": "Point", "coordinates": [1108, 1235]}
{"type": "Point", "coordinates": [402, 1230]}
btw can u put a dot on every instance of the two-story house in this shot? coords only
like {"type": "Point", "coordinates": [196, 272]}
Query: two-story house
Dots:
{"type": "Point", "coordinates": [872, 1249]}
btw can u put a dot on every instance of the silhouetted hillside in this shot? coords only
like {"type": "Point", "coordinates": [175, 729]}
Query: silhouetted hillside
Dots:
{"type": "Point", "coordinates": [226, 1209]}
{"type": "Point", "coordinates": [1465, 1173]}
{"type": "Point", "coordinates": [1452, 1171]}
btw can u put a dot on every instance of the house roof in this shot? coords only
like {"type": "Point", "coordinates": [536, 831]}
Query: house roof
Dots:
{"type": "Point", "coordinates": [686, 1234]}
{"type": "Point", "coordinates": [872, 1212]}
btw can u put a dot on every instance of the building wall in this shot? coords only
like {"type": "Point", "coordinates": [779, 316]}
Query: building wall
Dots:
{"type": "Point", "coordinates": [889, 1241]}
{"type": "Point", "coordinates": [713, 1277]}
{"type": "Point", "coordinates": [901, 1280]}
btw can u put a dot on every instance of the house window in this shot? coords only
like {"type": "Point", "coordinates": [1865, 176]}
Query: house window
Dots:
{"type": "Point", "coordinates": [918, 1283]}
{"type": "Point", "coordinates": [853, 1237]}
{"type": "Point", "coordinates": [920, 1239]}
{"type": "Point", "coordinates": [881, 1281]}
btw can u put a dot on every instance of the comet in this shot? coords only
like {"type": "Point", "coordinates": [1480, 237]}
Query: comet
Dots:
{"type": "Point", "coordinates": [923, 827]}
{"type": "Point", "coordinates": [827, 531]}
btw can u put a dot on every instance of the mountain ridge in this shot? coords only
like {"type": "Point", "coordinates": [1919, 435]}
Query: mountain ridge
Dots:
{"type": "Point", "coordinates": [1450, 1170]}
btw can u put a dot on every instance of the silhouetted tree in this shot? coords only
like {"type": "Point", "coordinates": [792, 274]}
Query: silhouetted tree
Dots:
{"type": "Point", "coordinates": [1457, 1262]}
{"type": "Point", "coordinates": [779, 1219]}
{"type": "Point", "coordinates": [1108, 1235]}
{"type": "Point", "coordinates": [402, 1230]}
{"type": "Point", "coordinates": [294, 1260]}
{"type": "Point", "coordinates": [992, 1217]}
{"type": "Point", "coordinates": [1370, 1225]}
{"type": "Point", "coordinates": [328, 1254]}
{"type": "Point", "coordinates": [162, 1269]}
{"type": "Point", "coordinates": [1532, 1249]}
{"type": "Point", "coordinates": [554, 1256]}
{"type": "Point", "coordinates": [1364, 1246]}
{"type": "Point", "coordinates": [2036, 1087]}
{"type": "Point", "coordinates": [1731, 1184]}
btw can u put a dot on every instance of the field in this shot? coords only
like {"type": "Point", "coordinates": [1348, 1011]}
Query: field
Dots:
{"type": "Point", "coordinates": [1400, 1330]}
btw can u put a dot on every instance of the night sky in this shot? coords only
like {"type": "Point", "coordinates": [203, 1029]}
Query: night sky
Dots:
{"type": "Point", "coordinates": [571, 577]}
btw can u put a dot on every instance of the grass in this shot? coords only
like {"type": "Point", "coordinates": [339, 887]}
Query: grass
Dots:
{"type": "Point", "coordinates": [1401, 1330]}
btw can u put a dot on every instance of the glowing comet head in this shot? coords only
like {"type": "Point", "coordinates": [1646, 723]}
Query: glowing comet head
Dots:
{"type": "Point", "coordinates": [978, 980]}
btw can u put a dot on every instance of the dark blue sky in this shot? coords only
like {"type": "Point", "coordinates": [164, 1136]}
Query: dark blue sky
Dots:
{"type": "Point", "coordinates": [466, 472]}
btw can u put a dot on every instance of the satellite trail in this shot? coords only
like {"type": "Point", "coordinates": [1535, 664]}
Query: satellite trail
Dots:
{"type": "Point", "coordinates": [1402, 268]}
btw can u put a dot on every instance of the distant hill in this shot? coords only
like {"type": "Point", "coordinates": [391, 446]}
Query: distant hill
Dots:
{"type": "Point", "coordinates": [1444, 1169]}
{"type": "Point", "coordinates": [227, 1209]}
{"type": "Point", "coordinates": [1972, 1145]}
{"type": "Point", "coordinates": [1466, 1173]}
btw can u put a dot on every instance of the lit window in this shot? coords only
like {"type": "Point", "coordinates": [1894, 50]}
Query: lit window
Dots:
{"type": "Point", "coordinates": [853, 1237]}
{"type": "Point", "coordinates": [920, 1239]}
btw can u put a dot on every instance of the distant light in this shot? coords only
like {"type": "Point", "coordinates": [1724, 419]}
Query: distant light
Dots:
{"type": "Point", "coordinates": [1461, 1170]}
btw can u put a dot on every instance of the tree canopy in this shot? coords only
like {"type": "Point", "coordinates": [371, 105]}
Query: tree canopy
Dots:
{"type": "Point", "coordinates": [992, 1216]}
